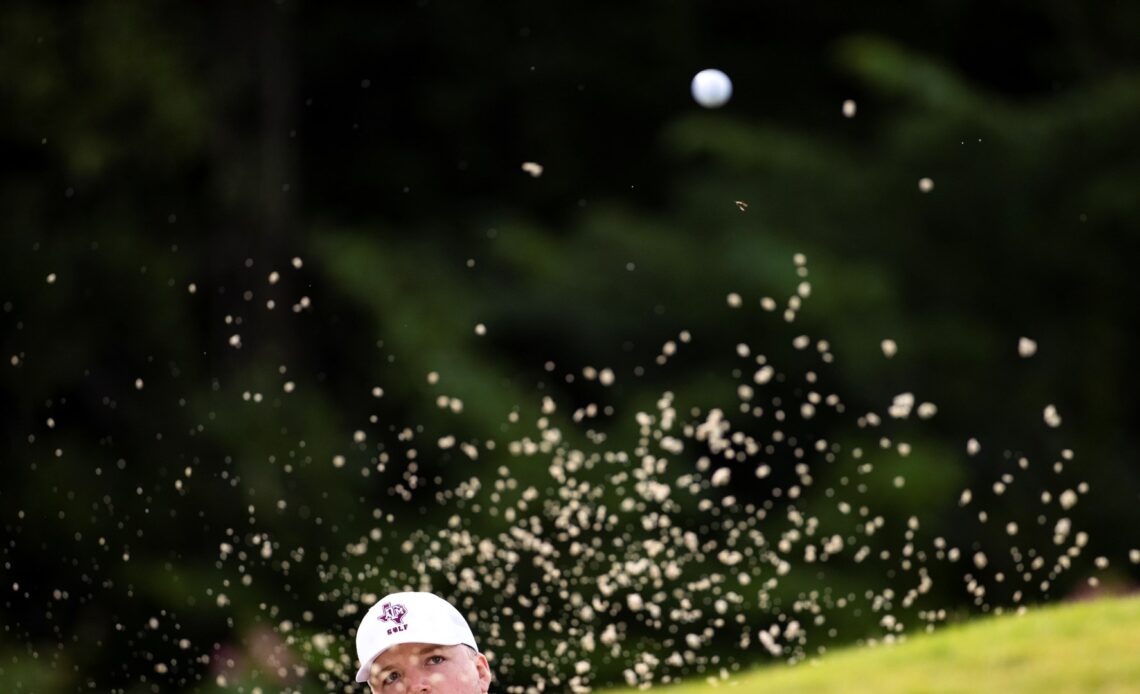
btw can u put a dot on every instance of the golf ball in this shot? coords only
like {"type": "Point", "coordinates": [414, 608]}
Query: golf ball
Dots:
{"type": "Point", "coordinates": [711, 88]}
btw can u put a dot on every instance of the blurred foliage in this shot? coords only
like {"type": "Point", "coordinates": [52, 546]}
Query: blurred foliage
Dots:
{"type": "Point", "coordinates": [151, 147]}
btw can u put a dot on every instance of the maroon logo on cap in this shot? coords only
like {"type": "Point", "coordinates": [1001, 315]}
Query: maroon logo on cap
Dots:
{"type": "Point", "coordinates": [392, 612]}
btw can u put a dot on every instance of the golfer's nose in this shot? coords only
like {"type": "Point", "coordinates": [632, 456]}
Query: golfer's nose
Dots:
{"type": "Point", "coordinates": [419, 682]}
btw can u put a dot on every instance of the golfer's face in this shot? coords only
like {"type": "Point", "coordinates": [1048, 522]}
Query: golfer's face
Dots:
{"type": "Point", "coordinates": [417, 667]}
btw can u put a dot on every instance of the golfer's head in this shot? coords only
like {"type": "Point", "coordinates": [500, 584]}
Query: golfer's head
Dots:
{"type": "Point", "coordinates": [418, 642]}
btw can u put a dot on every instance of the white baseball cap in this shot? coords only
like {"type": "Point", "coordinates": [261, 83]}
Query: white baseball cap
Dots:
{"type": "Point", "coordinates": [409, 618]}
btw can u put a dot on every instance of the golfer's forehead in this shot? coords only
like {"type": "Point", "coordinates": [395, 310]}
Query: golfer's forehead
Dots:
{"type": "Point", "coordinates": [404, 653]}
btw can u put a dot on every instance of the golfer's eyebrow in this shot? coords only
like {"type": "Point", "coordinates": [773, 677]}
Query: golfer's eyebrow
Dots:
{"type": "Point", "coordinates": [419, 654]}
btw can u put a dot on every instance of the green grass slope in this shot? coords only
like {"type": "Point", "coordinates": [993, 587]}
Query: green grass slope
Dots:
{"type": "Point", "coordinates": [1085, 647]}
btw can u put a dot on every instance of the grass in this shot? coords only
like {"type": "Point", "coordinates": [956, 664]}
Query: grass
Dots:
{"type": "Point", "coordinates": [1083, 647]}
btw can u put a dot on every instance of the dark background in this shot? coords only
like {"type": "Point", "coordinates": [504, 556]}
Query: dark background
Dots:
{"type": "Point", "coordinates": [151, 146]}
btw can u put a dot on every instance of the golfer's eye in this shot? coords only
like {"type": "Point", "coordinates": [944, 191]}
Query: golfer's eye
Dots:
{"type": "Point", "coordinates": [436, 659]}
{"type": "Point", "coordinates": [392, 678]}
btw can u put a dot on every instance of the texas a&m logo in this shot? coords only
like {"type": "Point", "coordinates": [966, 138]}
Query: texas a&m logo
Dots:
{"type": "Point", "coordinates": [395, 613]}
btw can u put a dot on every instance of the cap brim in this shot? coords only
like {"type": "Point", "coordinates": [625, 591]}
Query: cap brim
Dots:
{"type": "Point", "coordinates": [365, 670]}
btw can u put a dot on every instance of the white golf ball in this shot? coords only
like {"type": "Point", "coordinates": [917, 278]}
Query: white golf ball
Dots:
{"type": "Point", "coordinates": [712, 88]}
